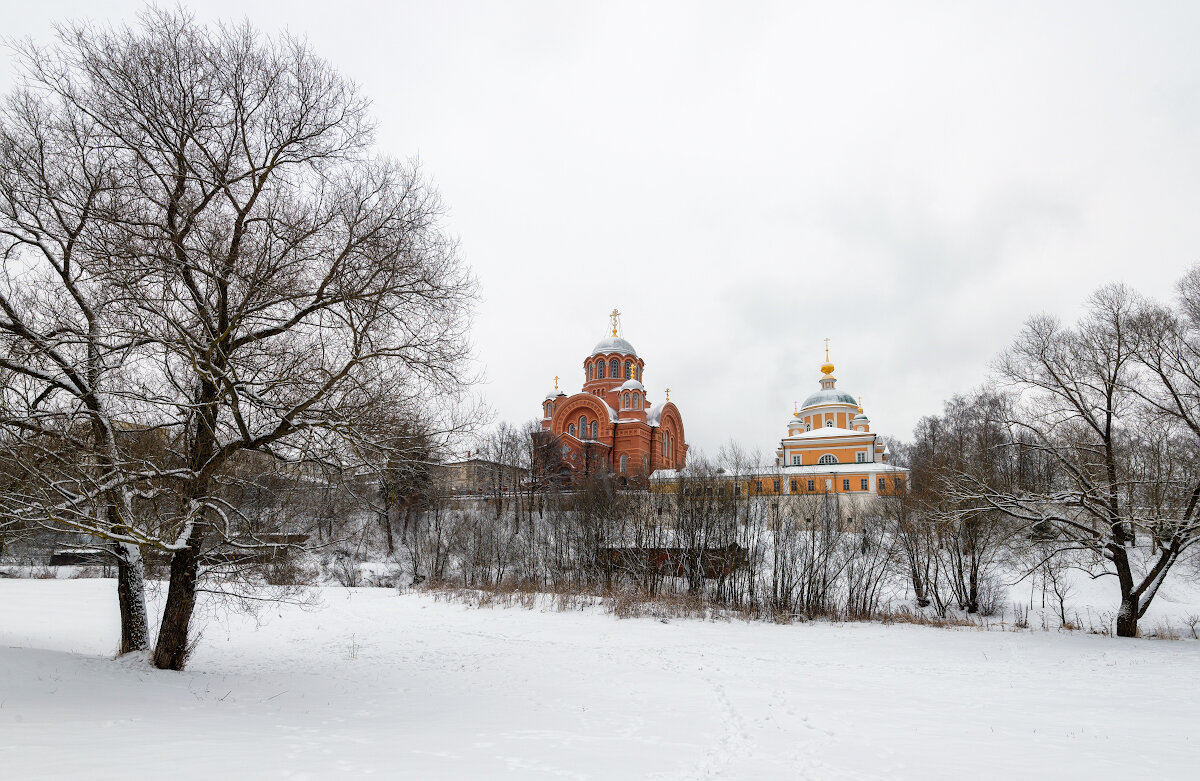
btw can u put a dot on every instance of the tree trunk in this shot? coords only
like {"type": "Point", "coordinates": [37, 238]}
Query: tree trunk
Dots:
{"type": "Point", "coordinates": [1127, 617]}
{"type": "Point", "coordinates": [172, 649]}
{"type": "Point", "coordinates": [131, 594]}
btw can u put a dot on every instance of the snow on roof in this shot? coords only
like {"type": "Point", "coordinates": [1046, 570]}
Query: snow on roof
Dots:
{"type": "Point", "coordinates": [828, 432]}
{"type": "Point", "coordinates": [613, 344]}
{"type": "Point", "coordinates": [654, 414]}
{"type": "Point", "coordinates": [829, 396]}
{"type": "Point", "coordinates": [632, 385]}
{"type": "Point", "coordinates": [793, 471]}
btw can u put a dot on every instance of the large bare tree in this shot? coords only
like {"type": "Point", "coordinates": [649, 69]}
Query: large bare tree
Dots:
{"type": "Point", "coordinates": [1104, 441]}
{"type": "Point", "coordinates": [291, 289]}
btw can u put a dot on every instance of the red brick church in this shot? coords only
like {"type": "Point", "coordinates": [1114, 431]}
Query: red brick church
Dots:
{"type": "Point", "coordinates": [611, 425]}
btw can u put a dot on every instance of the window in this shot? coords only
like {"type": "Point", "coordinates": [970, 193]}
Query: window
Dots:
{"type": "Point", "coordinates": [776, 486]}
{"type": "Point", "coordinates": [881, 484]}
{"type": "Point", "coordinates": [860, 457]}
{"type": "Point", "coordinates": [808, 427]}
{"type": "Point", "coordinates": [616, 368]}
{"type": "Point", "coordinates": [795, 486]}
{"type": "Point", "coordinates": [629, 370]}
{"type": "Point", "coordinates": [595, 430]}
{"type": "Point", "coordinates": [625, 401]}
{"type": "Point", "coordinates": [828, 458]}
{"type": "Point", "coordinates": [845, 485]}
{"type": "Point", "coordinates": [758, 486]}
{"type": "Point", "coordinates": [600, 370]}
{"type": "Point", "coordinates": [812, 485]}
{"type": "Point", "coordinates": [624, 463]}
{"type": "Point", "coordinates": [591, 371]}
{"type": "Point", "coordinates": [865, 484]}
{"type": "Point", "coordinates": [571, 431]}
{"type": "Point", "coordinates": [637, 401]}
{"type": "Point", "coordinates": [583, 427]}
{"type": "Point", "coordinates": [829, 424]}
{"type": "Point", "coordinates": [796, 460]}
{"type": "Point", "coordinates": [547, 410]}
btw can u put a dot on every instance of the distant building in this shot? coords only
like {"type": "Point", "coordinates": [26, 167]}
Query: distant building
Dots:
{"type": "Point", "coordinates": [829, 449]}
{"type": "Point", "coordinates": [478, 476]}
{"type": "Point", "coordinates": [611, 425]}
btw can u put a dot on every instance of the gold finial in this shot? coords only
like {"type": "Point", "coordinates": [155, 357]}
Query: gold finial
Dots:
{"type": "Point", "coordinates": [615, 315]}
{"type": "Point", "coordinates": [795, 408]}
{"type": "Point", "coordinates": [827, 367]}
{"type": "Point", "coordinates": [556, 382]}
{"type": "Point", "coordinates": [860, 403]}
{"type": "Point", "coordinates": [668, 394]}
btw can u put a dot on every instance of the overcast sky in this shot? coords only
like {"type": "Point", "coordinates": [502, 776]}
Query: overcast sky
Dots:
{"type": "Point", "coordinates": [743, 180]}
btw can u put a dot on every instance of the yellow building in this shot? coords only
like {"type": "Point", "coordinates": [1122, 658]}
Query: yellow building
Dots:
{"type": "Point", "coordinates": [829, 449]}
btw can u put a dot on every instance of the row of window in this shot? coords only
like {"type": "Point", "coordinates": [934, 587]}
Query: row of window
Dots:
{"type": "Point", "coordinates": [584, 428]}
{"type": "Point", "coordinates": [829, 458]}
{"type": "Point", "coordinates": [864, 484]}
{"type": "Point", "coordinates": [601, 370]}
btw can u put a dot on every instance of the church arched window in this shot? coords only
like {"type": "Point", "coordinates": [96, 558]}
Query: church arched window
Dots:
{"type": "Point", "coordinates": [571, 429]}
{"type": "Point", "coordinates": [808, 427]}
{"type": "Point", "coordinates": [600, 370]}
{"type": "Point", "coordinates": [595, 430]}
{"type": "Point", "coordinates": [547, 410]}
{"type": "Point", "coordinates": [625, 401]}
{"type": "Point", "coordinates": [624, 463]}
{"type": "Point", "coordinates": [828, 458]}
{"type": "Point", "coordinates": [829, 424]}
{"type": "Point", "coordinates": [637, 401]}
{"type": "Point", "coordinates": [583, 427]}
{"type": "Point", "coordinates": [591, 371]}
{"type": "Point", "coordinates": [629, 370]}
{"type": "Point", "coordinates": [616, 368]}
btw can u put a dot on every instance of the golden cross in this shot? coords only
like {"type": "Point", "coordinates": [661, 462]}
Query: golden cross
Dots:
{"type": "Point", "coordinates": [668, 394]}
{"type": "Point", "coordinates": [614, 315]}
{"type": "Point", "coordinates": [556, 382]}
{"type": "Point", "coordinates": [796, 407]}
{"type": "Point", "coordinates": [826, 349]}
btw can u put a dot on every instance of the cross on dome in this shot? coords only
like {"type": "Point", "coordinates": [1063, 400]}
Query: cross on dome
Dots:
{"type": "Point", "coordinates": [827, 367]}
{"type": "Point", "coordinates": [615, 315]}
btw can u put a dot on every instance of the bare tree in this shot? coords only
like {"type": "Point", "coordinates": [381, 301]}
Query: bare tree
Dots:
{"type": "Point", "coordinates": [293, 287]}
{"type": "Point", "coordinates": [64, 350]}
{"type": "Point", "coordinates": [1097, 419]}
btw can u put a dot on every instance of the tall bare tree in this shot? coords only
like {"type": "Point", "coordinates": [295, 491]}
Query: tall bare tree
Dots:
{"type": "Point", "coordinates": [1103, 418]}
{"type": "Point", "coordinates": [65, 353]}
{"type": "Point", "coordinates": [290, 283]}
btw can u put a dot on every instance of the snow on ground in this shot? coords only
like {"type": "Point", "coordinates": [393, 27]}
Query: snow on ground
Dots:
{"type": "Point", "coordinates": [375, 684]}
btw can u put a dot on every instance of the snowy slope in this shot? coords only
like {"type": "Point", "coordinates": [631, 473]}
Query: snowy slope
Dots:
{"type": "Point", "coordinates": [373, 684]}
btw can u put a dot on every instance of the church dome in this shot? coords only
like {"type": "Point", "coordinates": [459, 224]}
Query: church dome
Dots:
{"type": "Point", "coordinates": [614, 344]}
{"type": "Point", "coordinates": [633, 385]}
{"type": "Point", "coordinates": [830, 396]}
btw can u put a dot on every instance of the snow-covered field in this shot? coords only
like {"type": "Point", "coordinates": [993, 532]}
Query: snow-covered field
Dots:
{"type": "Point", "coordinates": [372, 683]}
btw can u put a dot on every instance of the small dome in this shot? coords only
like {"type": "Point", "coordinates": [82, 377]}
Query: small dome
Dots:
{"type": "Point", "coordinates": [829, 396]}
{"type": "Point", "coordinates": [551, 396]}
{"type": "Point", "coordinates": [633, 385]}
{"type": "Point", "coordinates": [861, 417]}
{"type": "Point", "coordinates": [614, 344]}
